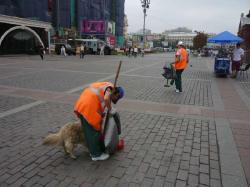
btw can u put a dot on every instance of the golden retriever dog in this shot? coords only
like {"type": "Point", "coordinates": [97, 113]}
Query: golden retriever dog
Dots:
{"type": "Point", "coordinates": [68, 136]}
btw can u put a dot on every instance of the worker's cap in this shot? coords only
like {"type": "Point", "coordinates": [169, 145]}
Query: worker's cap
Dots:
{"type": "Point", "coordinates": [180, 43]}
{"type": "Point", "coordinates": [121, 92]}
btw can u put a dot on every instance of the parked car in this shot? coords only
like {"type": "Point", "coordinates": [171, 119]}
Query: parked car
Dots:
{"type": "Point", "coordinates": [68, 48]}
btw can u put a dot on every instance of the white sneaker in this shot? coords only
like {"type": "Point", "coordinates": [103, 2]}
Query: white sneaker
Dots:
{"type": "Point", "coordinates": [103, 156]}
{"type": "Point", "coordinates": [177, 91]}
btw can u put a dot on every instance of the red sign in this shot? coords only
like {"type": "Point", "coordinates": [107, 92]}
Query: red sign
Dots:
{"type": "Point", "coordinates": [90, 26]}
{"type": "Point", "coordinates": [111, 40]}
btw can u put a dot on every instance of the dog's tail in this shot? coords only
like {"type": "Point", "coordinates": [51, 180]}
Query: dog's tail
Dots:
{"type": "Point", "coordinates": [53, 139]}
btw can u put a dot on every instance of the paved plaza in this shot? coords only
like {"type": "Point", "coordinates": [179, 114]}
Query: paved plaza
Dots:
{"type": "Point", "coordinates": [200, 137]}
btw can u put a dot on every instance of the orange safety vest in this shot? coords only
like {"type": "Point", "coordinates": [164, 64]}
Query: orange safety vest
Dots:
{"type": "Point", "coordinates": [182, 64]}
{"type": "Point", "coordinates": [91, 103]}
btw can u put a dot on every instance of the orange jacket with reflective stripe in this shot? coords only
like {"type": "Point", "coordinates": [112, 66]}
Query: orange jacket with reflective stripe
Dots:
{"type": "Point", "coordinates": [182, 64]}
{"type": "Point", "coordinates": [91, 103]}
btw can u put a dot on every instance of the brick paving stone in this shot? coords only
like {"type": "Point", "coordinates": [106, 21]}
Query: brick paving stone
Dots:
{"type": "Point", "coordinates": [162, 171]}
{"type": "Point", "coordinates": [32, 173]}
{"type": "Point", "coordinates": [214, 156]}
{"type": "Point", "coordinates": [155, 164]}
{"type": "Point", "coordinates": [32, 181]}
{"type": "Point", "coordinates": [215, 183]}
{"type": "Point", "coordinates": [194, 169]}
{"type": "Point", "coordinates": [151, 172]}
{"type": "Point", "coordinates": [214, 174]}
{"type": "Point", "coordinates": [119, 172]}
{"type": "Point", "coordinates": [204, 151]}
{"type": "Point", "coordinates": [148, 158]}
{"type": "Point", "coordinates": [159, 181]}
{"type": "Point", "coordinates": [213, 148]}
{"type": "Point", "coordinates": [137, 161]}
{"type": "Point", "coordinates": [214, 164]}
{"type": "Point", "coordinates": [180, 183]}
{"type": "Point", "coordinates": [193, 179]}
{"type": "Point", "coordinates": [134, 185]}
{"type": "Point", "coordinates": [178, 151]}
{"type": "Point", "coordinates": [52, 183]}
{"type": "Point", "coordinates": [169, 184]}
{"type": "Point", "coordinates": [29, 168]}
{"type": "Point", "coordinates": [46, 179]}
{"type": "Point", "coordinates": [131, 170]}
{"type": "Point", "coordinates": [45, 171]}
{"type": "Point", "coordinates": [204, 179]}
{"type": "Point", "coordinates": [197, 145]}
{"type": "Point", "coordinates": [204, 168]}
{"type": "Point", "coordinates": [184, 165]}
{"type": "Point", "coordinates": [86, 184]}
{"type": "Point", "coordinates": [176, 159]}
{"type": "Point", "coordinates": [143, 167]}
{"type": "Point", "coordinates": [187, 149]}
{"type": "Point", "coordinates": [174, 167]}
{"type": "Point", "coordinates": [126, 179]}
{"type": "Point", "coordinates": [195, 152]}
{"type": "Point", "coordinates": [14, 178]}
{"type": "Point", "coordinates": [171, 176]}
{"type": "Point", "coordinates": [147, 182]}
{"type": "Point", "coordinates": [182, 175]}
{"type": "Point", "coordinates": [19, 182]}
{"type": "Point", "coordinates": [138, 177]}
{"type": "Point", "coordinates": [16, 169]}
{"type": "Point", "coordinates": [186, 157]}
{"type": "Point", "coordinates": [194, 160]}
{"type": "Point", "coordinates": [158, 155]}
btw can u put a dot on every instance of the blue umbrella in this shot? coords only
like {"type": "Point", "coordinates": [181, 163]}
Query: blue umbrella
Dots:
{"type": "Point", "coordinates": [225, 38]}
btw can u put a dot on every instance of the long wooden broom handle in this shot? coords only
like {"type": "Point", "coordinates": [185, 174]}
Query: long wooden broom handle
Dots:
{"type": "Point", "coordinates": [117, 73]}
{"type": "Point", "coordinates": [116, 78]}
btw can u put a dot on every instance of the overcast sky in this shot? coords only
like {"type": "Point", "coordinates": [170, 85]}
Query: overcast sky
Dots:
{"type": "Point", "coordinates": [202, 15]}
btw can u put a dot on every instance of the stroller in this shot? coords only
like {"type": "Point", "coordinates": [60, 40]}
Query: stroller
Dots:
{"type": "Point", "coordinates": [169, 74]}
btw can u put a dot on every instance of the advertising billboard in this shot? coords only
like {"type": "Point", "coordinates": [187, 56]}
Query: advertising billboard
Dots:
{"type": "Point", "coordinates": [93, 26]}
{"type": "Point", "coordinates": [111, 27]}
{"type": "Point", "coordinates": [111, 40]}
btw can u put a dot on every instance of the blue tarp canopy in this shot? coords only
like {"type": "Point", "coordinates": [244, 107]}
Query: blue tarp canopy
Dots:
{"type": "Point", "coordinates": [225, 38]}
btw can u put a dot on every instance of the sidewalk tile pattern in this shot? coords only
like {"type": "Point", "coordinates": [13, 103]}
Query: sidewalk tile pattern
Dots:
{"type": "Point", "coordinates": [159, 150]}
{"type": "Point", "coordinates": [195, 92]}
{"type": "Point", "coordinates": [8, 102]}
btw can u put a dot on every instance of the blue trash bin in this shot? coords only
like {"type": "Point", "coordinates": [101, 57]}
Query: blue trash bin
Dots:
{"type": "Point", "coordinates": [222, 66]}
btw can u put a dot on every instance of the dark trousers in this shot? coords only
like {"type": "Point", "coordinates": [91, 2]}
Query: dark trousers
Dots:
{"type": "Point", "coordinates": [93, 138]}
{"type": "Point", "coordinates": [178, 83]}
{"type": "Point", "coordinates": [41, 55]}
{"type": "Point", "coordinates": [82, 54]}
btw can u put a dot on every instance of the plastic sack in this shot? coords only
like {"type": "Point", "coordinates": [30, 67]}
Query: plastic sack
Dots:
{"type": "Point", "coordinates": [111, 133]}
{"type": "Point", "coordinates": [168, 72]}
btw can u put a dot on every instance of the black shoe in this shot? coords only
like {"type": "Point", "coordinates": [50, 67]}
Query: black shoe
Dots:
{"type": "Point", "coordinates": [172, 82]}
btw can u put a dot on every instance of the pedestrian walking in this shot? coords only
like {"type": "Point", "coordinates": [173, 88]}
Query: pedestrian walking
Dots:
{"type": "Point", "coordinates": [82, 51]}
{"type": "Point", "coordinates": [135, 51]}
{"type": "Point", "coordinates": [129, 51]}
{"type": "Point", "coordinates": [102, 50]}
{"type": "Point", "coordinates": [63, 51]}
{"type": "Point", "coordinates": [237, 60]}
{"type": "Point", "coordinates": [90, 109]}
{"type": "Point", "coordinates": [41, 52]}
{"type": "Point", "coordinates": [181, 60]}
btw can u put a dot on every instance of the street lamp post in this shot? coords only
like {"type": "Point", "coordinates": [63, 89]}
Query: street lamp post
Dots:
{"type": "Point", "coordinates": [145, 5]}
